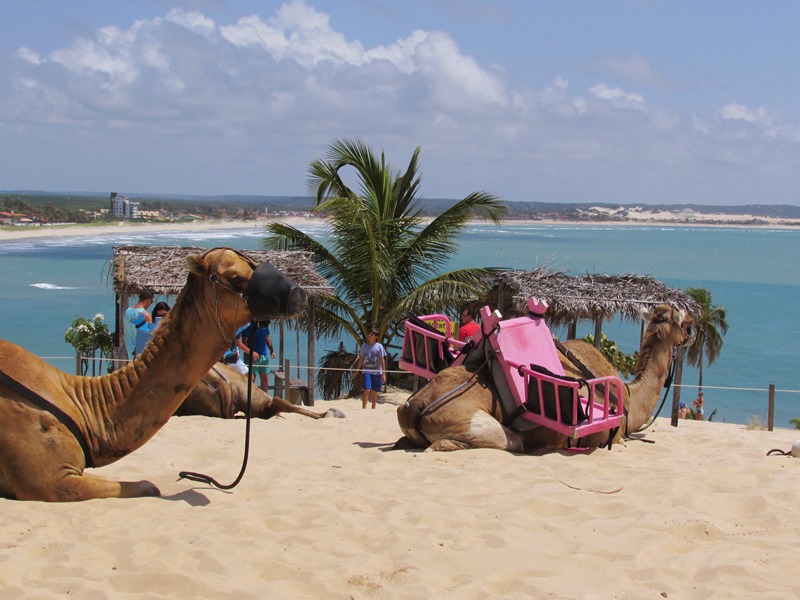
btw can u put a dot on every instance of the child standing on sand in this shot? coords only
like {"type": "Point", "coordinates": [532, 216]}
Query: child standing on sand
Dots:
{"type": "Point", "coordinates": [372, 356]}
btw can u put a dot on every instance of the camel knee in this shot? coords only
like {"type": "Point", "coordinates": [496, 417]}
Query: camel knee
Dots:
{"type": "Point", "coordinates": [449, 446]}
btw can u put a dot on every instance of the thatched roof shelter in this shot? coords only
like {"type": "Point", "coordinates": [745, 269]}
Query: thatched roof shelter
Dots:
{"type": "Point", "coordinates": [163, 271]}
{"type": "Point", "coordinates": [592, 297]}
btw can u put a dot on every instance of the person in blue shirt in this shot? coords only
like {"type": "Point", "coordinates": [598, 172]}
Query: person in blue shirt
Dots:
{"type": "Point", "coordinates": [144, 330]}
{"type": "Point", "coordinates": [135, 317]}
{"type": "Point", "coordinates": [372, 357]}
{"type": "Point", "coordinates": [262, 350]}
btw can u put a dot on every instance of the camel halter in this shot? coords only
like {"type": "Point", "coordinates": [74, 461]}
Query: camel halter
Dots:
{"type": "Point", "coordinates": [215, 281]}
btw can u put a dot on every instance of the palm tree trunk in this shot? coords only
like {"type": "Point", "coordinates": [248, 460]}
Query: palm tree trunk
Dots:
{"type": "Point", "coordinates": [700, 371]}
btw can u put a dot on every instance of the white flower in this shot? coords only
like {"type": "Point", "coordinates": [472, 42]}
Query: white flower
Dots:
{"type": "Point", "coordinates": [99, 317]}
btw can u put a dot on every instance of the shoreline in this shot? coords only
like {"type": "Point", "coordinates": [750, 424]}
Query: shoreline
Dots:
{"type": "Point", "coordinates": [126, 227]}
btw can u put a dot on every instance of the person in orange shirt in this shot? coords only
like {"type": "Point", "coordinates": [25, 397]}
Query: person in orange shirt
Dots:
{"type": "Point", "coordinates": [468, 325]}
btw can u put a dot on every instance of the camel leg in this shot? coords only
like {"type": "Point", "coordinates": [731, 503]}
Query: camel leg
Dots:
{"type": "Point", "coordinates": [85, 487]}
{"type": "Point", "coordinates": [74, 487]}
{"type": "Point", "coordinates": [481, 431]}
{"type": "Point", "coordinates": [53, 470]}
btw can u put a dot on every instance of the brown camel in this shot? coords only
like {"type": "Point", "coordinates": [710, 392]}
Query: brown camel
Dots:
{"type": "Point", "coordinates": [222, 392]}
{"type": "Point", "coordinates": [472, 417]}
{"type": "Point", "coordinates": [94, 421]}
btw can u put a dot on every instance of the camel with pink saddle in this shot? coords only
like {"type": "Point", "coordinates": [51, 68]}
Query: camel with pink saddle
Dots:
{"type": "Point", "coordinates": [512, 388]}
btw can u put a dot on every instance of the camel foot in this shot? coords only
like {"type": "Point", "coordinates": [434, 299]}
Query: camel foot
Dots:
{"type": "Point", "coordinates": [138, 489]}
{"type": "Point", "coordinates": [406, 443]}
{"type": "Point", "coordinates": [333, 413]}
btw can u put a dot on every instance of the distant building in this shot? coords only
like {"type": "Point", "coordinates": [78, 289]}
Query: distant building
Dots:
{"type": "Point", "coordinates": [122, 208]}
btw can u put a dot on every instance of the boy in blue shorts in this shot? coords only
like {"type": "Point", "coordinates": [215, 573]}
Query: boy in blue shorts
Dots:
{"type": "Point", "coordinates": [372, 357]}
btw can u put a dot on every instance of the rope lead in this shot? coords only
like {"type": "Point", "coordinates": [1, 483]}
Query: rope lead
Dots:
{"type": "Point", "coordinates": [201, 478]}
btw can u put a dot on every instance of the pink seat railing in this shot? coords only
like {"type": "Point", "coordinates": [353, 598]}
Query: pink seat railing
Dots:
{"type": "Point", "coordinates": [425, 349]}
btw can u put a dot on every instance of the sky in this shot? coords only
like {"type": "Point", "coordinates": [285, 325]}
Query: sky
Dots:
{"type": "Point", "coordinates": [613, 101]}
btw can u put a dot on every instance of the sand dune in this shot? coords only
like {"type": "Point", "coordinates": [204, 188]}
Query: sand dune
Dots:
{"type": "Point", "coordinates": [325, 510]}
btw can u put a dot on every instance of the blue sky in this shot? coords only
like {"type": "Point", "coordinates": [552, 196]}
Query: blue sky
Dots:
{"type": "Point", "coordinates": [629, 101]}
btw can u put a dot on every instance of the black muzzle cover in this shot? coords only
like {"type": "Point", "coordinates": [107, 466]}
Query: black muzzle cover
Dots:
{"type": "Point", "coordinates": [272, 295]}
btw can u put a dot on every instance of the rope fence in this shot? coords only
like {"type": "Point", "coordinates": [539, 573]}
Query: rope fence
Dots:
{"type": "Point", "coordinates": [770, 390]}
{"type": "Point", "coordinates": [401, 372]}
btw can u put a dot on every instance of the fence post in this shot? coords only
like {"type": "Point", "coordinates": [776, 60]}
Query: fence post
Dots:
{"type": "Point", "coordinates": [771, 412]}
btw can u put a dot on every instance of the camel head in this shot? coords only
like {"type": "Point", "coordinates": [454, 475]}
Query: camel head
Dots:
{"type": "Point", "coordinates": [669, 324]}
{"type": "Point", "coordinates": [266, 292]}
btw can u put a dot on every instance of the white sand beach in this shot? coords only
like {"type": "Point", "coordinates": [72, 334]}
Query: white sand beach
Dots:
{"type": "Point", "coordinates": [635, 218]}
{"type": "Point", "coordinates": [125, 227]}
{"type": "Point", "coordinates": [325, 510]}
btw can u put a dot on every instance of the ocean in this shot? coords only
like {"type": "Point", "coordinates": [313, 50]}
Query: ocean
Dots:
{"type": "Point", "coordinates": [754, 273]}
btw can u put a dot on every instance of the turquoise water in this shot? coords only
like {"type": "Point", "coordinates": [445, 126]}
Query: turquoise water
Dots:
{"type": "Point", "coordinates": [753, 273]}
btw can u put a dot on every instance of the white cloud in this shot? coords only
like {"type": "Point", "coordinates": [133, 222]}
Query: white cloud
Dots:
{"type": "Point", "coordinates": [299, 33]}
{"type": "Point", "coordinates": [456, 80]}
{"type": "Point", "coordinates": [110, 54]}
{"type": "Point", "coordinates": [29, 56]}
{"type": "Point", "coordinates": [739, 112]}
{"type": "Point", "coordinates": [618, 97]}
{"type": "Point", "coordinates": [701, 125]}
{"type": "Point", "coordinates": [253, 32]}
{"type": "Point", "coordinates": [191, 20]}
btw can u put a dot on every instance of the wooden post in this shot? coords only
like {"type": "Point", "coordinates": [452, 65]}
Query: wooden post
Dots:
{"type": "Point", "coordinates": [676, 390]}
{"type": "Point", "coordinates": [572, 330]}
{"type": "Point", "coordinates": [311, 355]}
{"type": "Point", "coordinates": [286, 380]}
{"type": "Point", "coordinates": [771, 413]}
{"type": "Point", "coordinates": [280, 343]}
{"type": "Point", "coordinates": [598, 332]}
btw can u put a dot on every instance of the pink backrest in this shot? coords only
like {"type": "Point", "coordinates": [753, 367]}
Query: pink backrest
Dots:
{"type": "Point", "coordinates": [525, 340]}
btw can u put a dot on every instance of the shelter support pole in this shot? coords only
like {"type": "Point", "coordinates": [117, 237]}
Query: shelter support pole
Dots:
{"type": "Point", "coordinates": [676, 389]}
{"type": "Point", "coordinates": [572, 330]}
{"type": "Point", "coordinates": [280, 343]}
{"type": "Point", "coordinates": [120, 350]}
{"type": "Point", "coordinates": [771, 410]}
{"type": "Point", "coordinates": [598, 332]}
{"type": "Point", "coordinates": [311, 355]}
{"type": "Point", "coordinates": [286, 378]}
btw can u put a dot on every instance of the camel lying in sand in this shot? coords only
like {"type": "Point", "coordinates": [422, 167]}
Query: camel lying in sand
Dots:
{"type": "Point", "coordinates": [53, 425]}
{"type": "Point", "coordinates": [473, 418]}
{"type": "Point", "coordinates": [222, 392]}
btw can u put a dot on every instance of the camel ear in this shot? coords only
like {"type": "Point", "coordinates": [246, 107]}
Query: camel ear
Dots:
{"type": "Point", "coordinates": [196, 264]}
{"type": "Point", "coordinates": [646, 315]}
{"type": "Point", "coordinates": [680, 316]}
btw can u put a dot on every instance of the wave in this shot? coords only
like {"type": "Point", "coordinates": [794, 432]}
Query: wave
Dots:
{"type": "Point", "coordinates": [52, 286]}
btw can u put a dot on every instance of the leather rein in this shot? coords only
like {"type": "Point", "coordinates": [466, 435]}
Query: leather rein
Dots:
{"type": "Point", "coordinates": [59, 414]}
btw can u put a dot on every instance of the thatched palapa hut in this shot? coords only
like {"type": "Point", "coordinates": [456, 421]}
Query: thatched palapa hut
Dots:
{"type": "Point", "coordinates": [163, 270]}
{"type": "Point", "coordinates": [592, 297]}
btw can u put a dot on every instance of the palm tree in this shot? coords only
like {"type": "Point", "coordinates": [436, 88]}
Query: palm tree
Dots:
{"type": "Point", "coordinates": [710, 326]}
{"type": "Point", "coordinates": [384, 260]}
